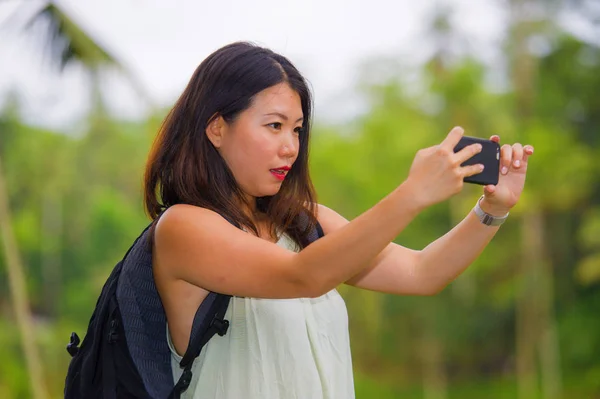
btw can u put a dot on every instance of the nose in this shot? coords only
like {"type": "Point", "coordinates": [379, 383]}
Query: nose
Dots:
{"type": "Point", "coordinates": [289, 145]}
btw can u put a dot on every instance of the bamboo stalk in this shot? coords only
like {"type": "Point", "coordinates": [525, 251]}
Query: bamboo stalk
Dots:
{"type": "Point", "coordinates": [19, 298]}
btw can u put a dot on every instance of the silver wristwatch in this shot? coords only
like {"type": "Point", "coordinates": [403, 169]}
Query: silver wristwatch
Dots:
{"type": "Point", "coordinates": [486, 218]}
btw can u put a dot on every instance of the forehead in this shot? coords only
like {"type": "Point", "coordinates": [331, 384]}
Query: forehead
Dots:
{"type": "Point", "coordinates": [280, 98]}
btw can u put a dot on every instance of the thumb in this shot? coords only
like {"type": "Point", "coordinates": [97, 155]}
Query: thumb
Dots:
{"type": "Point", "coordinates": [489, 190]}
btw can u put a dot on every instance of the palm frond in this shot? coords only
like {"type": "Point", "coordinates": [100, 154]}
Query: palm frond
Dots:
{"type": "Point", "coordinates": [65, 42]}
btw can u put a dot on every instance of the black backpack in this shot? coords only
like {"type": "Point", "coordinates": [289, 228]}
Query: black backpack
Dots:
{"type": "Point", "coordinates": [125, 353]}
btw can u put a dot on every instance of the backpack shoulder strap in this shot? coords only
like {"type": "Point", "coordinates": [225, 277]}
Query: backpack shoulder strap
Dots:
{"type": "Point", "coordinates": [319, 229]}
{"type": "Point", "coordinates": [208, 321]}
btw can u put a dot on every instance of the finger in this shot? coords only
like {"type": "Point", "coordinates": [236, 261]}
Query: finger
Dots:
{"type": "Point", "coordinates": [489, 189]}
{"type": "Point", "coordinates": [467, 153]}
{"type": "Point", "coordinates": [453, 138]}
{"type": "Point", "coordinates": [527, 151]}
{"type": "Point", "coordinates": [517, 156]}
{"type": "Point", "coordinates": [505, 158]}
{"type": "Point", "coordinates": [471, 170]}
{"type": "Point", "coordinates": [495, 138]}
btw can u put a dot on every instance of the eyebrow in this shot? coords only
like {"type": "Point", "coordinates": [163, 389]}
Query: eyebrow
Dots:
{"type": "Point", "coordinates": [282, 116]}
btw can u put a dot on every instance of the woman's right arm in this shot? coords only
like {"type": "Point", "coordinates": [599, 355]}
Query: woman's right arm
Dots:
{"type": "Point", "coordinates": [199, 246]}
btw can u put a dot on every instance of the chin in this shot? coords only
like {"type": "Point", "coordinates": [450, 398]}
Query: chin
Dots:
{"type": "Point", "coordinates": [270, 191]}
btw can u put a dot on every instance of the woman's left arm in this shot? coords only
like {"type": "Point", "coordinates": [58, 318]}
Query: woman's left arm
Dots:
{"type": "Point", "coordinates": [402, 271]}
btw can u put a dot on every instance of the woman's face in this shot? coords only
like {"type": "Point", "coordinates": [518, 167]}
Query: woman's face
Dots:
{"type": "Point", "coordinates": [262, 144]}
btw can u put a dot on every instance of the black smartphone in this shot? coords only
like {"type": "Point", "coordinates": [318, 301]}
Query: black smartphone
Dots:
{"type": "Point", "coordinates": [489, 157]}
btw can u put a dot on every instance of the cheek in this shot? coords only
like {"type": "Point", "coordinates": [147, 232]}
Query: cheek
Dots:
{"type": "Point", "coordinates": [251, 152]}
{"type": "Point", "coordinates": [258, 148]}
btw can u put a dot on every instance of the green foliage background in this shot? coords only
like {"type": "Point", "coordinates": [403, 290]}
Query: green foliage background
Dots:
{"type": "Point", "coordinates": [526, 312]}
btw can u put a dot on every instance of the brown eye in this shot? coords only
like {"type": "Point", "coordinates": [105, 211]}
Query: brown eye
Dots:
{"type": "Point", "coordinates": [275, 125]}
{"type": "Point", "coordinates": [299, 130]}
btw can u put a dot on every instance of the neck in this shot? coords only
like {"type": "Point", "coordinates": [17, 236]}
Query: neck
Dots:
{"type": "Point", "coordinates": [248, 206]}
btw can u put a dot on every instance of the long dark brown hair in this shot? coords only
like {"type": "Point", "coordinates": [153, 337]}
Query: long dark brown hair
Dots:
{"type": "Point", "coordinates": [184, 167]}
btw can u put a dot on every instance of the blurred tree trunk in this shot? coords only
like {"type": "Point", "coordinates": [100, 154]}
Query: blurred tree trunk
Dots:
{"type": "Point", "coordinates": [51, 245]}
{"type": "Point", "coordinates": [526, 312]}
{"type": "Point", "coordinates": [20, 302]}
{"type": "Point", "coordinates": [431, 350]}
{"type": "Point", "coordinates": [535, 324]}
{"type": "Point", "coordinates": [547, 335]}
{"type": "Point", "coordinates": [548, 346]}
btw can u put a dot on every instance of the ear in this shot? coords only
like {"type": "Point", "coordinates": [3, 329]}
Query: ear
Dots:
{"type": "Point", "coordinates": [215, 130]}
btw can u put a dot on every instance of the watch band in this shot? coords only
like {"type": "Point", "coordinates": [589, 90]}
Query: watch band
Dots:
{"type": "Point", "coordinates": [486, 218]}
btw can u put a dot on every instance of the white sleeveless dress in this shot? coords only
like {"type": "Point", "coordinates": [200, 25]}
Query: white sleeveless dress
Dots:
{"type": "Point", "coordinates": [276, 349]}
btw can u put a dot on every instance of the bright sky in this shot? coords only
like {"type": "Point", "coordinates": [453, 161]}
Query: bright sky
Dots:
{"type": "Point", "coordinates": [162, 42]}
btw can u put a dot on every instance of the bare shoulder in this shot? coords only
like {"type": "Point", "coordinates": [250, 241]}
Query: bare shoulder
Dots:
{"type": "Point", "coordinates": [180, 219]}
{"type": "Point", "coordinates": [184, 231]}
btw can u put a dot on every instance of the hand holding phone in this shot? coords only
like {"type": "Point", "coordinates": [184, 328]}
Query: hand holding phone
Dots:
{"type": "Point", "coordinates": [489, 157]}
{"type": "Point", "coordinates": [437, 173]}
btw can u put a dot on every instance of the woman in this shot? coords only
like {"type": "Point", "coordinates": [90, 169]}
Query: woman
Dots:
{"type": "Point", "coordinates": [234, 152]}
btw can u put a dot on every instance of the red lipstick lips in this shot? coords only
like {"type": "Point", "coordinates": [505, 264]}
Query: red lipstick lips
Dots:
{"type": "Point", "coordinates": [280, 172]}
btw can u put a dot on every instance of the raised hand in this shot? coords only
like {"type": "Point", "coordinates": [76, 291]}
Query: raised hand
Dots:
{"type": "Point", "coordinates": [514, 159]}
{"type": "Point", "coordinates": [436, 173]}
